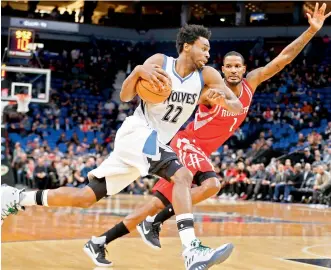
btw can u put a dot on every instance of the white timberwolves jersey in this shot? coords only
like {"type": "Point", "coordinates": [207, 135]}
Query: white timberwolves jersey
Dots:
{"type": "Point", "coordinates": [166, 118]}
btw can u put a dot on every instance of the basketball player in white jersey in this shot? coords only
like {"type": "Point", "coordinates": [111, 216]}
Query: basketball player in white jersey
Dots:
{"type": "Point", "coordinates": [141, 142]}
{"type": "Point", "coordinates": [203, 141]}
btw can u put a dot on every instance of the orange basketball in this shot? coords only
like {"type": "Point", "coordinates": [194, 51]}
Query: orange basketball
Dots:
{"type": "Point", "coordinates": [150, 94]}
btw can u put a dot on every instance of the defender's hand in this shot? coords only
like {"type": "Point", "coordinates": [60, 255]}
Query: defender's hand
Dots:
{"type": "Point", "coordinates": [317, 20]}
{"type": "Point", "coordinates": [215, 94]}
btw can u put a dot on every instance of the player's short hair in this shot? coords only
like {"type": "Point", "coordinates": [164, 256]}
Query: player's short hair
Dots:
{"type": "Point", "coordinates": [233, 53]}
{"type": "Point", "coordinates": [189, 33]}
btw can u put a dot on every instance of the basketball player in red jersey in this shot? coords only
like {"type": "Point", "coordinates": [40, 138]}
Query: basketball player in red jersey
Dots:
{"type": "Point", "coordinates": [212, 126]}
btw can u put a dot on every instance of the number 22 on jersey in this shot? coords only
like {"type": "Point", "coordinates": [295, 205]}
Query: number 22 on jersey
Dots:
{"type": "Point", "coordinates": [172, 113]}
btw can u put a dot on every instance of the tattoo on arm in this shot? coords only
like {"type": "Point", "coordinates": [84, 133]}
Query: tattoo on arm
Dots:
{"type": "Point", "coordinates": [286, 56]}
{"type": "Point", "coordinates": [293, 49]}
{"type": "Point", "coordinates": [270, 72]}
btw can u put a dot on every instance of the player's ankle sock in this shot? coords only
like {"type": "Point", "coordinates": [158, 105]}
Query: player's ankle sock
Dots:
{"type": "Point", "coordinates": [150, 219]}
{"type": "Point", "coordinates": [117, 231]}
{"type": "Point", "coordinates": [185, 226]}
{"type": "Point", "coordinates": [101, 240]}
{"type": "Point", "coordinates": [34, 198]}
{"type": "Point", "coordinates": [164, 215]}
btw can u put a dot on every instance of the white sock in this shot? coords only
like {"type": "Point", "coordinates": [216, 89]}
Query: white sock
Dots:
{"type": "Point", "coordinates": [185, 227]}
{"type": "Point", "coordinates": [45, 197]}
{"type": "Point", "coordinates": [150, 219]}
{"type": "Point", "coordinates": [99, 240]}
{"type": "Point", "coordinates": [28, 198]}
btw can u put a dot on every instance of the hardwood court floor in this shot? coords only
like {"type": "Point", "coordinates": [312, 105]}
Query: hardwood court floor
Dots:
{"type": "Point", "coordinates": [265, 235]}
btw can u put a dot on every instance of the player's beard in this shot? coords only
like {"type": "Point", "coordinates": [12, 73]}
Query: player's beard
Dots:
{"type": "Point", "coordinates": [231, 83]}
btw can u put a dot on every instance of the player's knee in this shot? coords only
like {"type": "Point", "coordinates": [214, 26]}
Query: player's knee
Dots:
{"type": "Point", "coordinates": [211, 186]}
{"type": "Point", "coordinates": [157, 205]}
{"type": "Point", "coordinates": [83, 198]}
{"type": "Point", "coordinates": [183, 176]}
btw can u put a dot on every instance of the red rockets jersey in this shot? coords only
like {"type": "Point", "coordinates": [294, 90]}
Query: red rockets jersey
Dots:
{"type": "Point", "coordinates": [213, 126]}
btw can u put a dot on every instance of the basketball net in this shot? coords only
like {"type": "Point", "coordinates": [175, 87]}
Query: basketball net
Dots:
{"type": "Point", "coordinates": [23, 101]}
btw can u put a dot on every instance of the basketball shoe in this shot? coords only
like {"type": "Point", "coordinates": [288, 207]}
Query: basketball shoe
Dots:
{"type": "Point", "coordinates": [10, 198]}
{"type": "Point", "coordinates": [96, 250]}
{"type": "Point", "coordinates": [150, 233]}
{"type": "Point", "coordinates": [197, 256]}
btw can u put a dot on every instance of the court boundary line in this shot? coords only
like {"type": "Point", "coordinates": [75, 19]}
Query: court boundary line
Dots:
{"type": "Point", "coordinates": [300, 263]}
{"type": "Point", "coordinates": [306, 250]}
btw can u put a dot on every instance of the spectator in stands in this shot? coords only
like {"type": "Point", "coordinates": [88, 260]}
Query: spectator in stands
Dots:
{"type": "Point", "coordinates": [317, 157]}
{"type": "Point", "coordinates": [293, 183]}
{"type": "Point", "coordinates": [288, 166]}
{"type": "Point", "coordinates": [268, 115]}
{"type": "Point", "coordinates": [283, 176]}
{"type": "Point", "coordinates": [327, 154]}
{"type": "Point", "coordinates": [137, 187]}
{"type": "Point", "coordinates": [89, 166]}
{"type": "Point", "coordinates": [67, 125]}
{"type": "Point", "coordinates": [308, 181]}
{"type": "Point", "coordinates": [53, 176]}
{"type": "Point", "coordinates": [63, 171]}
{"type": "Point", "coordinates": [322, 184]}
{"type": "Point", "coordinates": [239, 181]}
{"type": "Point", "coordinates": [277, 98]}
{"type": "Point", "coordinates": [76, 180]}
{"type": "Point", "coordinates": [74, 139]}
{"type": "Point", "coordinates": [57, 125]}
{"type": "Point", "coordinates": [19, 166]}
{"type": "Point", "coordinates": [29, 173]}
{"type": "Point", "coordinates": [62, 139]}
{"type": "Point", "coordinates": [17, 151]}
{"type": "Point", "coordinates": [96, 146]}
{"type": "Point", "coordinates": [260, 180]}
{"type": "Point", "coordinates": [327, 131]}
{"type": "Point", "coordinates": [308, 157]}
{"type": "Point", "coordinates": [41, 174]}
{"type": "Point", "coordinates": [307, 108]}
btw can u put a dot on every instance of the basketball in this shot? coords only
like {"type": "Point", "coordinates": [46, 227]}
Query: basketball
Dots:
{"type": "Point", "coordinates": [152, 94]}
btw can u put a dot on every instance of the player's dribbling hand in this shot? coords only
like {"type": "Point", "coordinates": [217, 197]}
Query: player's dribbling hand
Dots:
{"type": "Point", "coordinates": [155, 75]}
{"type": "Point", "coordinates": [215, 96]}
{"type": "Point", "coordinates": [316, 20]}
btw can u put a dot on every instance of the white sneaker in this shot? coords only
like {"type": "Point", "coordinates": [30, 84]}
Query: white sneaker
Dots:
{"type": "Point", "coordinates": [234, 197]}
{"type": "Point", "coordinates": [223, 196]}
{"type": "Point", "coordinates": [198, 257]}
{"type": "Point", "coordinates": [10, 198]}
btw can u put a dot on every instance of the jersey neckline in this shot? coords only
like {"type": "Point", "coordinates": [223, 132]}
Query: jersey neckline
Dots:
{"type": "Point", "coordinates": [177, 75]}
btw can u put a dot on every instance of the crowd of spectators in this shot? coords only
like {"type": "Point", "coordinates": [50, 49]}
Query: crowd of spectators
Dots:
{"type": "Point", "coordinates": [58, 143]}
{"type": "Point", "coordinates": [303, 176]}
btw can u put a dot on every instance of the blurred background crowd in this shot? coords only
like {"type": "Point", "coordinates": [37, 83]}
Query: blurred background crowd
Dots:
{"type": "Point", "coordinates": [281, 153]}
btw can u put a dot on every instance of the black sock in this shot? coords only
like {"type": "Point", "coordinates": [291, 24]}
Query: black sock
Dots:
{"type": "Point", "coordinates": [164, 215]}
{"type": "Point", "coordinates": [39, 197]}
{"type": "Point", "coordinates": [116, 232]}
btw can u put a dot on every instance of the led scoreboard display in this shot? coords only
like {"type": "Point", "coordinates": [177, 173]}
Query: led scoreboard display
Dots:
{"type": "Point", "coordinates": [19, 41]}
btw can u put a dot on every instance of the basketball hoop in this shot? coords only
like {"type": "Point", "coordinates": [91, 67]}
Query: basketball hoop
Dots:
{"type": "Point", "coordinates": [23, 101]}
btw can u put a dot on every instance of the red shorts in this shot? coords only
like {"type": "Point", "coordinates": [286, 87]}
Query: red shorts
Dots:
{"type": "Point", "coordinates": [193, 158]}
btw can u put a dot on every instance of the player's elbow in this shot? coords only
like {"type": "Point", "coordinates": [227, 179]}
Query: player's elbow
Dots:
{"type": "Point", "coordinates": [124, 96]}
{"type": "Point", "coordinates": [284, 60]}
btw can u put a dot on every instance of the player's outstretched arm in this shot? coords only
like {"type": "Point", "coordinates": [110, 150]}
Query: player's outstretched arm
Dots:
{"type": "Point", "coordinates": [316, 21]}
{"type": "Point", "coordinates": [216, 92]}
{"type": "Point", "coordinates": [151, 71]}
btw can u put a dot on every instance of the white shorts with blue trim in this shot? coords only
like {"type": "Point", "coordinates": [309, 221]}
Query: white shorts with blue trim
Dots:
{"type": "Point", "coordinates": [137, 152]}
